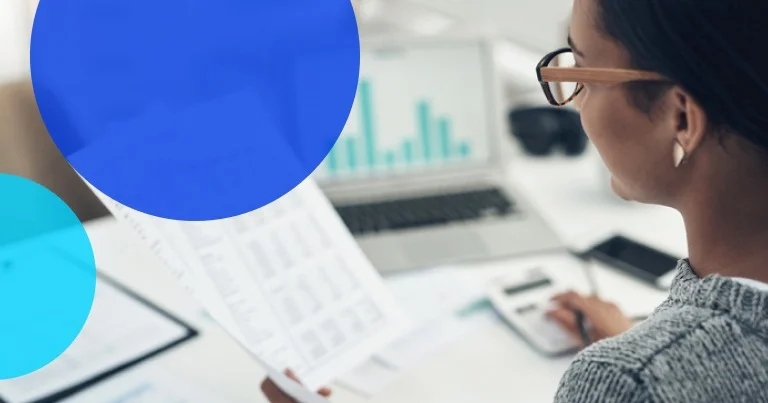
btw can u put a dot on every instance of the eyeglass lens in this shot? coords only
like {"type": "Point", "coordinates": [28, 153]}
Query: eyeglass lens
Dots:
{"type": "Point", "coordinates": [562, 92]}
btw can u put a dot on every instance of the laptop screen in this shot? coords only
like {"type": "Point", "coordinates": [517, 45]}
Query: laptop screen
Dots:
{"type": "Point", "coordinates": [418, 108]}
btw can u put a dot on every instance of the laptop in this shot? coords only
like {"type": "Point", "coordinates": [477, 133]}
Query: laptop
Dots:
{"type": "Point", "coordinates": [418, 174]}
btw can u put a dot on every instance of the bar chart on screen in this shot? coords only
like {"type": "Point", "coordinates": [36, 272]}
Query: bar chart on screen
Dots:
{"type": "Point", "coordinates": [413, 109]}
{"type": "Point", "coordinates": [433, 143]}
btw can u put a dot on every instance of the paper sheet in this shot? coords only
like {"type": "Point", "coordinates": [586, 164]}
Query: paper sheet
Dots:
{"type": "Point", "coordinates": [368, 379]}
{"type": "Point", "coordinates": [431, 338]}
{"type": "Point", "coordinates": [118, 330]}
{"type": "Point", "coordinates": [143, 385]}
{"type": "Point", "coordinates": [287, 281]}
{"type": "Point", "coordinates": [432, 299]}
{"type": "Point", "coordinates": [378, 373]}
{"type": "Point", "coordinates": [427, 294]}
{"type": "Point", "coordinates": [443, 305]}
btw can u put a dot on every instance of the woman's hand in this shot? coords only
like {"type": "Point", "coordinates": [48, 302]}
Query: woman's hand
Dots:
{"type": "Point", "coordinates": [275, 395]}
{"type": "Point", "coordinates": [605, 318]}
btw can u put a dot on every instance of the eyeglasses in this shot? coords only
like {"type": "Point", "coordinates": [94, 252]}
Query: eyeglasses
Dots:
{"type": "Point", "coordinates": [562, 81]}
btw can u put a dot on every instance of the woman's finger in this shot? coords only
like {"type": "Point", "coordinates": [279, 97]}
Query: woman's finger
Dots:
{"type": "Point", "coordinates": [325, 392]}
{"type": "Point", "coordinates": [571, 300]}
{"type": "Point", "coordinates": [566, 319]}
{"type": "Point", "coordinates": [273, 393]}
{"type": "Point", "coordinates": [565, 296]}
{"type": "Point", "coordinates": [589, 306]}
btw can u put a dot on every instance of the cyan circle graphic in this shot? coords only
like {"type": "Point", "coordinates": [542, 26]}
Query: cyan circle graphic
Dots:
{"type": "Point", "coordinates": [47, 276]}
{"type": "Point", "coordinates": [195, 109]}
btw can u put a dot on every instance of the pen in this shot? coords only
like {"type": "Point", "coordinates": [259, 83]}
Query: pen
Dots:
{"type": "Point", "coordinates": [588, 269]}
{"type": "Point", "coordinates": [589, 272]}
{"type": "Point", "coordinates": [580, 321]}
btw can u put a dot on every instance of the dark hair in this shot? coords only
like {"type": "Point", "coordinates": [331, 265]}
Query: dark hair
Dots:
{"type": "Point", "coordinates": [711, 48]}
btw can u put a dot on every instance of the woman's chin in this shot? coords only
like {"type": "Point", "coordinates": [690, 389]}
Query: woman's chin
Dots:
{"type": "Point", "coordinates": [619, 190]}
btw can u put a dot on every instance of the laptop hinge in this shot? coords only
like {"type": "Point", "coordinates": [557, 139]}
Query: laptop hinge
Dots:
{"type": "Point", "coordinates": [377, 189]}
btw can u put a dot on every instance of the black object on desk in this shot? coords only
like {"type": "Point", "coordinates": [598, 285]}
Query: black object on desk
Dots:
{"type": "Point", "coordinates": [542, 130]}
{"type": "Point", "coordinates": [636, 259]}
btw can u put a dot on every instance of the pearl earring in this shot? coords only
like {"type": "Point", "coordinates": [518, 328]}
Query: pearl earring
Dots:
{"type": "Point", "coordinates": [679, 154]}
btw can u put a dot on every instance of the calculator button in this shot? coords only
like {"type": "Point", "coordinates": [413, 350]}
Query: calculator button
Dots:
{"type": "Point", "coordinates": [527, 309]}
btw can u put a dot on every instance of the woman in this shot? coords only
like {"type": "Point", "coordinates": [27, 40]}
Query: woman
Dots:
{"type": "Point", "coordinates": [674, 96]}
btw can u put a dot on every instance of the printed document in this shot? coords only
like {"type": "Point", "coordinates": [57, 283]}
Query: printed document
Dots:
{"type": "Point", "coordinates": [287, 281]}
{"type": "Point", "coordinates": [146, 385]}
{"type": "Point", "coordinates": [119, 330]}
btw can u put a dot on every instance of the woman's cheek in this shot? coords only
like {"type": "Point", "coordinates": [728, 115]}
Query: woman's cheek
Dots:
{"type": "Point", "coordinates": [581, 103]}
{"type": "Point", "coordinates": [596, 125]}
{"type": "Point", "coordinates": [578, 102]}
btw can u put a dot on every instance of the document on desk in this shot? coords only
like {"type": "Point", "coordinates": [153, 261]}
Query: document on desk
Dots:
{"type": "Point", "coordinates": [434, 299]}
{"type": "Point", "coordinates": [121, 330]}
{"type": "Point", "coordinates": [146, 385]}
{"type": "Point", "coordinates": [287, 281]}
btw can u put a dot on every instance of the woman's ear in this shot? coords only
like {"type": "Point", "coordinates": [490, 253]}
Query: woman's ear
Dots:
{"type": "Point", "coordinates": [690, 120]}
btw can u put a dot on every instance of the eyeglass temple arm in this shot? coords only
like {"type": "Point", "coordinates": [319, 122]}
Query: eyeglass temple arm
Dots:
{"type": "Point", "coordinates": [594, 75]}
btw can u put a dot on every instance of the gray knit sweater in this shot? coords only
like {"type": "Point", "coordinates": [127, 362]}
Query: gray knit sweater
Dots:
{"type": "Point", "coordinates": [708, 342]}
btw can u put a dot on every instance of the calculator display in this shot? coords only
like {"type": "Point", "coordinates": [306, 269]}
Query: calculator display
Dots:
{"type": "Point", "coordinates": [527, 286]}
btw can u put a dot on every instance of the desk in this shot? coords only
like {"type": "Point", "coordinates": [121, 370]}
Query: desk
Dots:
{"type": "Point", "coordinates": [490, 365]}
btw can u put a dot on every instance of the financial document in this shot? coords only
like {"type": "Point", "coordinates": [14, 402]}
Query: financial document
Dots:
{"type": "Point", "coordinates": [119, 330]}
{"type": "Point", "coordinates": [443, 302]}
{"type": "Point", "coordinates": [145, 385]}
{"type": "Point", "coordinates": [287, 281]}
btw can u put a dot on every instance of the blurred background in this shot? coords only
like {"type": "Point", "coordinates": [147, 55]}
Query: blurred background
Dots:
{"type": "Point", "coordinates": [25, 147]}
{"type": "Point", "coordinates": [521, 32]}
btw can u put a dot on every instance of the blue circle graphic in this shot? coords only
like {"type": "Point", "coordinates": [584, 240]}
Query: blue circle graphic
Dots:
{"type": "Point", "coordinates": [195, 109]}
{"type": "Point", "coordinates": [47, 276]}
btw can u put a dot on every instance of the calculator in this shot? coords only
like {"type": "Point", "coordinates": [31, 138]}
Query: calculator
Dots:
{"type": "Point", "coordinates": [523, 299]}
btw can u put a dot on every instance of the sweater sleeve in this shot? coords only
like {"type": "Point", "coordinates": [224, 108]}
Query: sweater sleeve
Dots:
{"type": "Point", "coordinates": [597, 382]}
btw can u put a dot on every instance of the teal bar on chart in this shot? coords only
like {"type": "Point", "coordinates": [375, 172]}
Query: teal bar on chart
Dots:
{"type": "Point", "coordinates": [433, 142]}
{"type": "Point", "coordinates": [339, 157]}
{"type": "Point", "coordinates": [369, 137]}
{"type": "Point", "coordinates": [351, 146]}
{"type": "Point", "coordinates": [331, 161]}
{"type": "Point", "coordinates": [422, 112]}
{"type": "Point", "coordinates": [444, 129]}
{"type": "Point", "coordinates": [389, 158]}
{"type": "Point", "coordinates": [464, 150]}
{"type": "Point", "coordinates": [408, 152]}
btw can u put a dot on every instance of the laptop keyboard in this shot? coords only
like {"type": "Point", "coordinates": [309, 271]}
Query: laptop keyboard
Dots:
{"type": "Point", "coordinates": [425, 211]}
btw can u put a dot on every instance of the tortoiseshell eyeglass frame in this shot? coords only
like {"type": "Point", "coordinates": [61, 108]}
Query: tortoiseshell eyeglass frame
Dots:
{"type": "Point", "coordinates": [584, 75]}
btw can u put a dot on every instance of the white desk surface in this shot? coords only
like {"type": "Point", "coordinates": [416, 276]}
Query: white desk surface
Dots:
{"type": "Point", "coordinates": [490, 365]}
